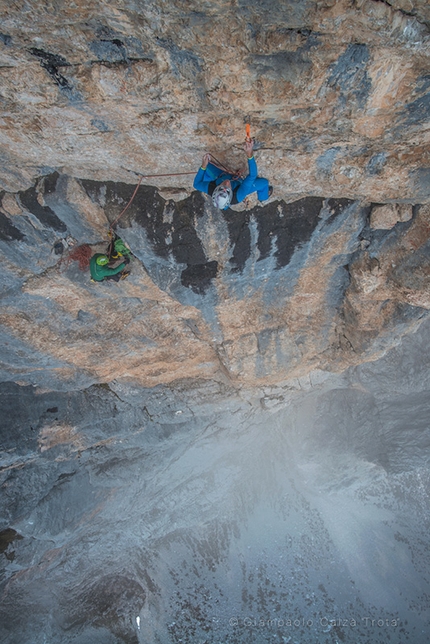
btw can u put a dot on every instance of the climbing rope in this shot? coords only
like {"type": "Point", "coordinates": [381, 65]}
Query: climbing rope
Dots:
{"type": "Point", "coordinates": [145, 176]}
{"type": "Point", "coordinates": [234, 173]}
{"type": "Point", "coordinates": [221, 166]}
{"type": "Point", "coordinates": [81, 254]}
{"type": "Point", "coordinates": [237, 173]}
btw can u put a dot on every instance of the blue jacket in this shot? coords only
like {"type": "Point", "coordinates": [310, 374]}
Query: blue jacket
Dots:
{"type": "Point", "coordinates": [207, 180]}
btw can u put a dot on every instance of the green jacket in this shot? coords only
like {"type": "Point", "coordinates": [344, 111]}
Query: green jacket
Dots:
{"type": "Point", "coordinates": [98, 273]}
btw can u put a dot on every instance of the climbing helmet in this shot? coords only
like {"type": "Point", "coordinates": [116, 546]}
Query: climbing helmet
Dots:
{"type": "Point", "coordinates": [222, 196]}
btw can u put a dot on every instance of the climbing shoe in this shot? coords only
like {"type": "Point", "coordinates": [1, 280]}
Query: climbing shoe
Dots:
{"type": "Point", "coordinates": [124, 274]}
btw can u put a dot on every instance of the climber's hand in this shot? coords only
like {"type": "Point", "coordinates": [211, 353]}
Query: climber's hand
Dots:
{"type": "Point", "coordinates": [249, 146]}
{"type": "Point", "coordinates": [206, 160]}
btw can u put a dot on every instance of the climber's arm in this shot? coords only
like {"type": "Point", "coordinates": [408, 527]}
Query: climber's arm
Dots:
{"type": "Point", "coordinates": [200, 183]}
{"type": "Point", "coordinates": [107, 270]}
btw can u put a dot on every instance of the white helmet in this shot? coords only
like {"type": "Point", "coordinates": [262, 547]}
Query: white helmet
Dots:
{"type": "Point", "coordinates": [222, 196]}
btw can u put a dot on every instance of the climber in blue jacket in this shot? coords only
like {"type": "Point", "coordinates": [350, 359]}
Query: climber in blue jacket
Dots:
{"type": "Point", "coordinates": [224, 188]}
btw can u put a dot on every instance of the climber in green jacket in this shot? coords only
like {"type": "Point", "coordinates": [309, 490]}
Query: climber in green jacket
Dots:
{"type": "Point", "coordinates": [100, 269]}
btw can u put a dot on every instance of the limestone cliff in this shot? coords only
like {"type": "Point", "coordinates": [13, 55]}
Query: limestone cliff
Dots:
{"type": "Point", "coordinates": [258, 297]}
{"type": "Point", "coordinates": [239, 430]}
{"type": "Point", "coordinates": [336, 91]}
{"type": "Point", "coordinates": [96, 93]}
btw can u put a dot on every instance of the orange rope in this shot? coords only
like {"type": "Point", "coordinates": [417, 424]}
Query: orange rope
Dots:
{"type": "Point", "coordinates": [129, 203]}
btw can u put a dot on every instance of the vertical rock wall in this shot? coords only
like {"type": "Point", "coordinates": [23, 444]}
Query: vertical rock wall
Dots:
{"type": "Point", "coordinates": [255, 297]}
{"type": "Point", "coordinates": [336, 92]}
{"type": "Point", "coordinates": [192, 513]}
{"type": "Point", "coordinates": [329, 273]}
{"type": "Point", "coordinates": [232, 443]}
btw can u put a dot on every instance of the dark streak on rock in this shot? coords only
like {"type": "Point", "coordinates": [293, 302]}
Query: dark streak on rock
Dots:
{"type": "Point", "coordinates": [413, 272]}
{"type": "Point", "coordinates": [146, 209]}
{"type": "Point", "coordinates": [199, 276]}
{"type": "Point", "coordinates": [52, 62]}
{"type": "Point", "coordinates": [175, 237]}
{"type": "Point", "coordinates": [280, 225]}
{"type": "Point", "coordinates": [326, 160]}
{"type": "Point", "coordinates": [8, 232]}
{"type": "Point", "coordinates": [5, 39]}
{"type": "Point", "coordinates": [44, 214]}
{"type": "Point", "coordinates": [376, 163]}
{"type": "Point", "coordinates": [7, 537]}
{"type": "Point", "coordinates": [240, 237]}
{"type": "Point", "coordinates": [50, 183]}
{"type": "Point", "coordinates": [187, 247]}
{"type": "Point", "coordinates": [336, 206]}
{"type": "Point", "coordinates": [289, 224]}
{"type": "Point", "coordinates": [184, 62]}
{"type": "Point", "coordinates": [418, 111]}
{"type": "Point", "coordinates": [100, 125]}
{"type": "Point", "coordinates": [349, 74]}
{"type": "Point", "coordinates": [109, 51]}
{"type": "Point", "coordinates": [285, 66]}
{"type": "Point", "coordinates": [283, 227]}
{"type": "Point", "coordinates": [421, 181]}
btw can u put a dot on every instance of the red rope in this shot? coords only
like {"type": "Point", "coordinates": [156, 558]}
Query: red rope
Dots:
{"type": "Point", "coordinates": [81, 254]}
{"type": "Point", "coordinates": [129, 203]}
{"type": "Point", "coordinates": [146, 176]}
{"type": "Point", "coordinates": [169, 174]}
{"type": "Point", "coordinates": [221, 166]}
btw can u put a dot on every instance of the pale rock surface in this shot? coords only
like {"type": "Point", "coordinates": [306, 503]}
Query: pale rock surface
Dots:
{"type": "Point", "coordinates": [232, 444]}
{"type": "Point", "coordinates": [336, 92]}
{"type": "Point", "coordinates": [389, 214]}
{"type": "Point", "coordinates": [298, 512]}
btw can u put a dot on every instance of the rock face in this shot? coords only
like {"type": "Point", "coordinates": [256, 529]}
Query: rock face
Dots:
{"type": "Point", "coordinates": [330, 272]}
{"type": "Point", "coordinates": [337, 92]}
{"type": "Point", "coordinates": [192, 513]}
{"type": "Point", "coordinates": [258, 297]}
{"type": "Point", "coordinates": [231, 445]}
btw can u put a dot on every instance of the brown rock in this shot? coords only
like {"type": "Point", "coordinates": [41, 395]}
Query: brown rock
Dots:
{"type": "Point", "coordinates": [388, 215]}
{"type": "Point", "coordinates": [10, 205]}
{"type": "Point", "coordinates": [335, 96]}
{"type": "Point", "coordinates": [333, 92]}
